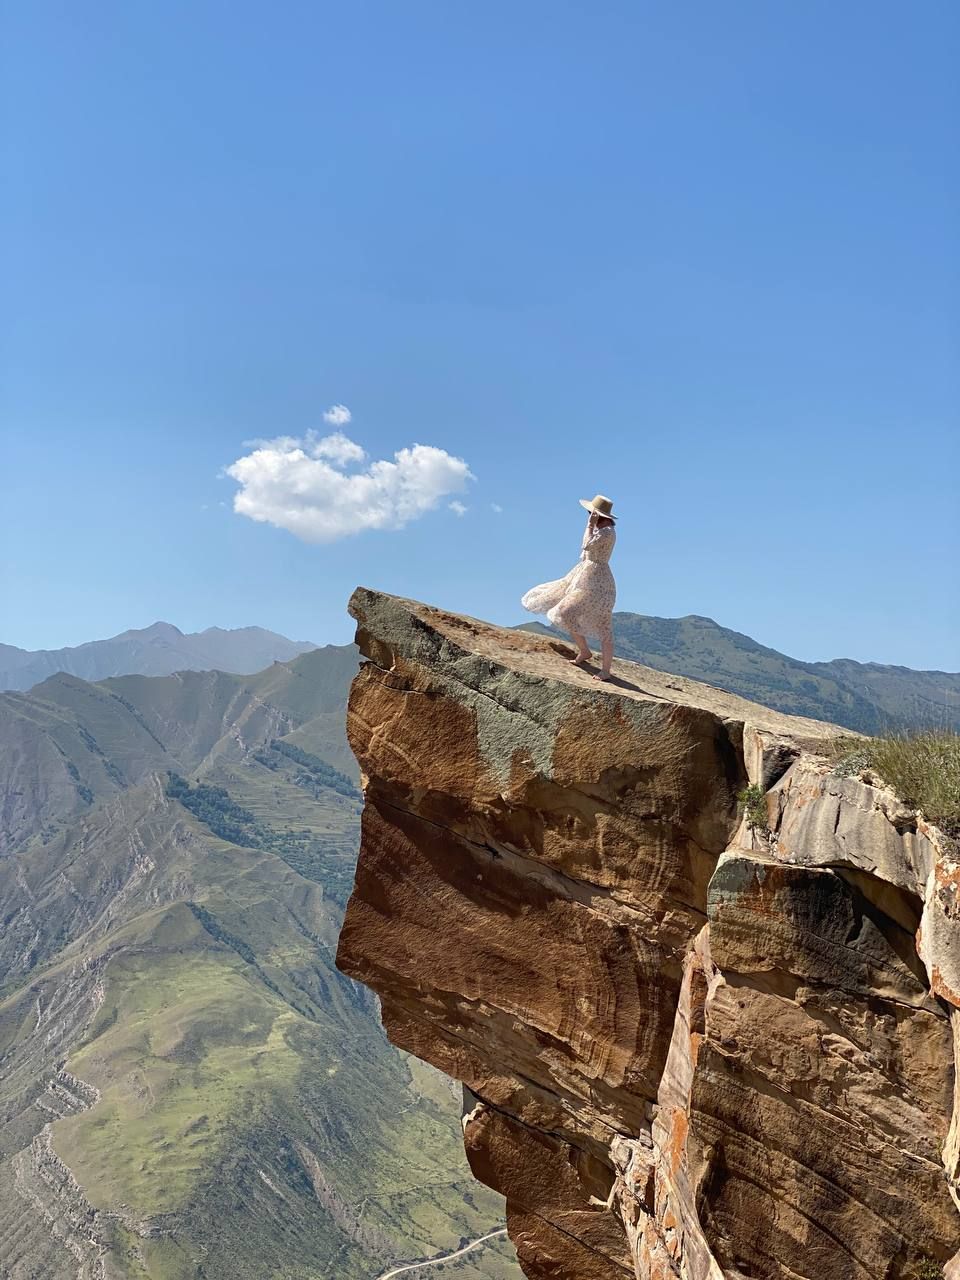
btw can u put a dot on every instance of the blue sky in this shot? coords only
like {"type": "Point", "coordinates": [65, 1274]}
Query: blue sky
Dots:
{"type": "Point", "coordinates": [700, 257]}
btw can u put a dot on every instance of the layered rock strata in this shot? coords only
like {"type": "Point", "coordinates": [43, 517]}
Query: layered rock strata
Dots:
{"type": "Point", "coordinates": [689, 1048]}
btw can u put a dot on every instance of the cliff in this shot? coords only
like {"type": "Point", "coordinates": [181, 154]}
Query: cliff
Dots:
{"type": "Point", "coordinates": [689, 1048]}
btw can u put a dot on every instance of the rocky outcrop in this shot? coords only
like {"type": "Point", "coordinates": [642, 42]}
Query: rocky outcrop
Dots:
{"type": "Point", "coordinates": [53, 1195]}
{"type": "Point", "coordinates": [689, 1048]}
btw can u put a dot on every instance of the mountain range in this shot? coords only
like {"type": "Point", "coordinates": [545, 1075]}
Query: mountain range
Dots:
{"type": "Point", "coordinates": [188, 1086]}
{"type": "Point", "coordinates": [189, 1089]}
{"type": "Point", "coordinates": [867, 697]}
{"type": "Point", "coordinates": [151, 651]}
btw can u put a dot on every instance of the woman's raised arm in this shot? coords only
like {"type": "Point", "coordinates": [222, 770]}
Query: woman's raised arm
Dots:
{"type": "Point", "coordinates": [589, 531]}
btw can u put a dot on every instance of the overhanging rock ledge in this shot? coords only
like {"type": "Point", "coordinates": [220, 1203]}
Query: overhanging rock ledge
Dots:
{"type": "Point", "coordinates": [689, 1049]}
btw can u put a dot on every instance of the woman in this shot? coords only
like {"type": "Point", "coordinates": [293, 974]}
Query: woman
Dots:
{"type": "Point", "coordinates": [582, 602]}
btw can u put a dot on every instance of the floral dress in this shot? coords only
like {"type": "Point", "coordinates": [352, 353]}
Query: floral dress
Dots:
{"type": "Point", "coordinates": [583, 601]}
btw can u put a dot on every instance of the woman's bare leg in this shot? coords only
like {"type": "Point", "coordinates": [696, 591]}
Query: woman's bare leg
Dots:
{"type": "Point", "coordinates": [583, 652]}
{"type": "Point", "coordinates": [606, 657]}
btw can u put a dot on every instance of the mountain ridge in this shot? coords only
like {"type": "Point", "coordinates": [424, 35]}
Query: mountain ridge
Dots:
{"type": "Point", "coordinates": [813, 662]}
{"type": "Point", "coordinates": [186, 841]}
{"type": "Point", "coordinates": [865, 697]}
{"type": "Point", "coordinates": [158, 650]}
{"type": "Point", "coordinates": [869, 697]}
{"type": "Point", "coordinates": [188, 1088]}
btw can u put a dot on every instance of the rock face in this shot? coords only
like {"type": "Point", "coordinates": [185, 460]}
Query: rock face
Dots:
{"type": "Point", "coordinates": [689, 1049]}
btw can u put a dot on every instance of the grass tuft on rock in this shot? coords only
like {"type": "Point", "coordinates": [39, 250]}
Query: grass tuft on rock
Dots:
{"type": "Point", "coordinates": [930, 1270]}
{"type": "Point", "coordinates": [923, 769]}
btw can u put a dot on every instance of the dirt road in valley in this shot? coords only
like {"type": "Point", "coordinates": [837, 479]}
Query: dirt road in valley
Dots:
{"type": "Point", "coordinates": [446, 1257]}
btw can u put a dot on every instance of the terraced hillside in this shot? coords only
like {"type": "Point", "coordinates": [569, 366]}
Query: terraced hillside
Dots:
{"type": "Point", "coordinates": [188, 1087]}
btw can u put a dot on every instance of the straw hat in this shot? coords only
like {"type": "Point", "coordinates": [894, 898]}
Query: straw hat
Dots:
{"type": "Point", "coordinates": [600, 505]}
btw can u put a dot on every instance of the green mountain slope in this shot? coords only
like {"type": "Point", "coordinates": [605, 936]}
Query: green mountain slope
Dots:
{"type": "Point", "coordinates": [867, 697]}
{"type": "Point", "coordinates": [188, 1087]}
{"type": "Point", "coordinates": [68, 744]}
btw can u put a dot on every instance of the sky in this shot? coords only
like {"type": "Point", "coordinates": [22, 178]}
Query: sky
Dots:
{"type": "Point", "coordinates": [300, 296]}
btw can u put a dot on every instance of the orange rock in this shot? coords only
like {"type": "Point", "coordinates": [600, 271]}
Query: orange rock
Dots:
{"type": "Point", "coordinates": [694, 1051]}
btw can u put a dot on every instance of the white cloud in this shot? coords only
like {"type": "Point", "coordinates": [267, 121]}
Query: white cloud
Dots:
{"type": "Point", "coordinates": [301, 485]}
{"type": "Point", "coordinates": [457, 508]}
{"type": "Point", "coordinates": [338, 448]}
{"type": "Point", "coordinates": [338, 415]}
{"type": "Point", "coordinates": [495, 506]}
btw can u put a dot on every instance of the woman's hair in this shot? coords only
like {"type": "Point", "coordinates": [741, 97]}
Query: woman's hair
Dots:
{"type": "Point", "coordinates": [603, 522]}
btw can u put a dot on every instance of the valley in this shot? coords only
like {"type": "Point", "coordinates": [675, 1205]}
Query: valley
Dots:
{"type": "Point", "coordinates": [188, 1086]}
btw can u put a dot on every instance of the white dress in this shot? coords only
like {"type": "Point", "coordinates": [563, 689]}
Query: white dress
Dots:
{"type": "Point", "coordinates": [583, 600]}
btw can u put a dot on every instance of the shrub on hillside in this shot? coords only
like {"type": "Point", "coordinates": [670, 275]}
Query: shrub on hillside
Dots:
{"type": "Point", "coordinates": [328, 860]}
{"type": "Point", "coordinates": [923, 769]}
{"type": "Point", "coordinates": [214, 807]}
{"type": "Point", "coordinates": [313, 770]}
